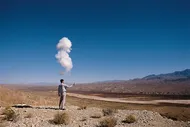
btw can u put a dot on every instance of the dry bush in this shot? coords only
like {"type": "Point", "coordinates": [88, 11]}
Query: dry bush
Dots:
{"type": "Point", "coordinates": [29, 115]}
{"type": "Point", "coordinates": [129, 119]}
{"type": "Point", "coordinates": [10, 114]}
{"type": "Point", "coordinates": [61, 118]}
{"type": "Point", "coordinates": [108, 111]}
{"type": "Point", "coordinates": [108, 122]}
{"type": "Point", "coordinates": [97, 115]}
{"type": "Point", "coordinates": [82, 107]}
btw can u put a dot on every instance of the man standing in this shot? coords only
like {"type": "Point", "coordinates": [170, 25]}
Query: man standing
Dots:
{"type": "Point", "coordinates": [62, 94]}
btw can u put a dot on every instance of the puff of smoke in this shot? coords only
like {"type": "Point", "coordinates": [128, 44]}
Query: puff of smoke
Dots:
{"type": "Point", "coordinates": [64, 48]}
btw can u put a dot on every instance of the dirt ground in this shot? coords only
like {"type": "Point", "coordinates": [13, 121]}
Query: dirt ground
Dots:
{"type": "Point", "coordinates": [9, 97]}
{"type": "Point", "coordinates": [172, 111]}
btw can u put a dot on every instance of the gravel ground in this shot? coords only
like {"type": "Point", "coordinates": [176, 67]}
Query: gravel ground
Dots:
{"type": "Point", "coordinates": [40, 118]}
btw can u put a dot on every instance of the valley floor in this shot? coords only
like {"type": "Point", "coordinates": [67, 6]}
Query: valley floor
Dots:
{"type": "Point", "coordinates": [122, 100]}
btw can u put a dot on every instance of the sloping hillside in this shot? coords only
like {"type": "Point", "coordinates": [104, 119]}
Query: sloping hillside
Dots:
{"type": "Point", "coordinates": [9, 97]}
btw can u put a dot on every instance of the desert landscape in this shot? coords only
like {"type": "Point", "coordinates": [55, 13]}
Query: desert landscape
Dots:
{"type": "Point", "coordinates": [92, 108]}
{"type": "Point", "coordinates": [94, 63]}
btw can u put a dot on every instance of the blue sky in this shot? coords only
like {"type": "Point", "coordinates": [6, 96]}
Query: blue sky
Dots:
{"type": "Point", "coordinates": [121, 39]}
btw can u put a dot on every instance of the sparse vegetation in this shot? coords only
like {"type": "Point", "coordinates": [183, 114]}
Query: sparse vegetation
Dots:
{"type": "Point", "coordinates": [29, 115]}
{"type": "Point", "coordinates": [108, 122]}
{"type": "Point", "coordinates": [129, 119]}
{"type": "Point", "coordinates": [61, 118]}
{"type": "Point", "coordinates": [108, 111]}
{"type": "Point", "coordinates": [96, 116]}
{"type": "Point", "coordinates": [10, 114]}
{"type": "Point", "coordinates": [40, 96]}
{"type": "Point", "coordinates": [82, 107]}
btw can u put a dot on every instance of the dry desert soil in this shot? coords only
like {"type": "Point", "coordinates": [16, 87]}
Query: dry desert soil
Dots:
{"type": "Point", "coordinates": [41, 117]}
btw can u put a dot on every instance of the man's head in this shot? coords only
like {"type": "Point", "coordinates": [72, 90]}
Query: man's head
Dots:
{"type": "Point", "coordinates": [62, 80]}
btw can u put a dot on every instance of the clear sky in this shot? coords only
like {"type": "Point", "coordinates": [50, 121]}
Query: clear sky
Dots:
{"type": "Point", "coordinates": [112, 39]}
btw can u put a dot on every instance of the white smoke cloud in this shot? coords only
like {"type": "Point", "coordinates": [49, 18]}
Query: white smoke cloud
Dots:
{"type": "Point", "coordinates": [64, 48]}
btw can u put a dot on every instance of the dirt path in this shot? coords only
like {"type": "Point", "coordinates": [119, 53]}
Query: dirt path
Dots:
{"type": "Point", "coordinates": [185, 102]}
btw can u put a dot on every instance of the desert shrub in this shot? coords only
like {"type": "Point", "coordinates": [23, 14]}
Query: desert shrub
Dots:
{"type": "Point", "coordinates": [97, 115]}
{"type": "Point", "coordinates": [108, 122]}
{"type": "Point", "coordinates": [29, 115]}
{"type": "Point", "coordinates": [108, 112]}
{"type": "Point", "coordinates": [10, 114]}
{"type": "Point", "coordinates": [61, 118]}
{"type": "Point", "coordinates": [82, 107]}
{"type": "Point", "coordinates": [129, 119]}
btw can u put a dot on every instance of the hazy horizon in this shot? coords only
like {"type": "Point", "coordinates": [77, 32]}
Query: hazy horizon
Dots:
{"type": "Point", "coordinates": [111, 40]}
{"type": "Point", "coordinates": [57, 82]}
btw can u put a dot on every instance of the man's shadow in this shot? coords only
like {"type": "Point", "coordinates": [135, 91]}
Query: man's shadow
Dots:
{"type": "Point", "coordinates": [29, 106]}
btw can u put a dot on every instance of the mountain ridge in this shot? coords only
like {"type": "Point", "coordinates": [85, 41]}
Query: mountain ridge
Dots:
{"type": "Point", "coordinates": [184, 74]}
{"type": "Point", "coordinates": [174, 75]}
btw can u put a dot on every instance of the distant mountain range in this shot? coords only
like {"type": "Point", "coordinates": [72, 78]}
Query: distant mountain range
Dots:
{"type": "Point", "coordinates": [185, 74]}
{"type": "Point", "coordinates": [177, 82]}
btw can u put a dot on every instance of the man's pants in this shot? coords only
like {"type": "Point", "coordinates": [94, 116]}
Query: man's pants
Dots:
{"type": "Point", "coordinates": [62, 101]}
